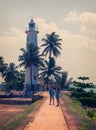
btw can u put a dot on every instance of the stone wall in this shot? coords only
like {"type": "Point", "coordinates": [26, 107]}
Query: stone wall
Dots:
{"type": "Point", "coordinates": [20, 102]}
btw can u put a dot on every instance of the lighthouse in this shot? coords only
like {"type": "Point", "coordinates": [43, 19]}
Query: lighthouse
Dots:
{"type": "Point", "coordinates": [32, 77]}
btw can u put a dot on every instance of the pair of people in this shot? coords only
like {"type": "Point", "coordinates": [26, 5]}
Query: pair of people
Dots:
{"type": "Point", "coordinates": [54, 93]}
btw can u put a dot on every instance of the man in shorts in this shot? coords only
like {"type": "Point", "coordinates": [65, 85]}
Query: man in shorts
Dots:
{"type": "Point", "coordinates": [51, 93]}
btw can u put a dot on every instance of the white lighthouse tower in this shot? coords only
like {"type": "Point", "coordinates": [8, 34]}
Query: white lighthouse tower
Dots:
{"type": "Point", "coordinates": [31, 39]}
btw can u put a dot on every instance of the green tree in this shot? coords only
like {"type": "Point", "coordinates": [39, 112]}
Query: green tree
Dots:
{"type": "Point", "coordinates": [20, 80]}
{"type": "Point", "coordinates": [83, 78]}
{"type": "Point", "coordinates": [10, 76]}
{"type": "Point", "coordinates": [52, 45]}
{"type": "Point", "coordinates": [29, 58]}
{"type": "Point", "coordinates": [3, 67]}
{"type": "Point", "coordinates": [62, 80]}
{"type": "Point", "coordinates": [81, 85]}
{"type": "Point", "coordinates": [11, 72]}
{"type": "Point", "coordinates": [52, 50]}
{"type": "Point", "coordinates": [50, 70]}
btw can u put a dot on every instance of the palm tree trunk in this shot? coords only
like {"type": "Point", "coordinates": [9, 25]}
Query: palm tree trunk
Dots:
{"type": "Point", "coordinates": [47, 83]}
{"type": "Point", "coordinates": [31, 79]}
{"type": "Point", "coordinates": [49, 54]}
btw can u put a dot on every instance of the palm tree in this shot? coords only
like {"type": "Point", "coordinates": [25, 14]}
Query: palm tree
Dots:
{"type": "Point", "coordinates": [1, 63]}
{"type": "Point", "coordinates": [11, 72]}
{"type": "Point", "coordinates": [50, 70]}
{"type": "Point", "coordinates": [52, 45]}
{"type": "Point", "coordinates": [62, 80]}
{"type": "Point", "coordinates": [11, 75]}
{"type": "Point", "coordinates": [3, 67]}
{"type": "Point", "coordinates": [29, 58]}
{"type": "Point", "coordinates": [20, 80]}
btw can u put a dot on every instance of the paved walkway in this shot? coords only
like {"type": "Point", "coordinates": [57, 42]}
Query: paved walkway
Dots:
{"type": "Point", "coordinates": [49, 117]}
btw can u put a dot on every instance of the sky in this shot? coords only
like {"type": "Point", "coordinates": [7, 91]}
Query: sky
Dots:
{"type": "Point", "coordinates": [73, 20]}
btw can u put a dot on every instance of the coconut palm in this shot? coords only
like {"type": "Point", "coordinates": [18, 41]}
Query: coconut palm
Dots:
{"type": "Point", "coordinates": [50, 70]}
{"type": "Point", "coordinates": [20, 80]}
{"type": "Point", "coordinates": [52, 45]}
{"type": "Point", "coordinates": [1, 63]}
{"type": "Point", "coordinates": [11, 72]}
{"type": "Point", "coordinates": [29, 58]}
{"type": "Point", "coordinates": [3, 67]}
{"type": "Point", "coordinates": [62, 80]}
{"type": "Point", "coordinates": [10, 76]}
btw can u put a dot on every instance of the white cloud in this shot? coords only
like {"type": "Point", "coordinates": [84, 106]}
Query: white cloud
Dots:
{"type": "Point", "coordinates": [78, 51]}
{"type": "Point", "coordinates": [87, 21]}
{"type": "Point", "coordinates": [71, 17]}
{"type": "Point", "coordinates": [44, 28]}
{"type": "Point", "coordinates": [88, 17]}
{"type": "Point", "coordinates": [10, 44]}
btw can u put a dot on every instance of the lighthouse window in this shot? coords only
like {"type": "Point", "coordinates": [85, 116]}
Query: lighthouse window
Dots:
{"type": "Point", "coordinates": [31, 25]}
{"type": "Point", "coordinates": [34, 77]}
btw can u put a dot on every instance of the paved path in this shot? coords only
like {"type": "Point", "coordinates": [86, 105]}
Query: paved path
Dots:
{"type": "Point", "coordinates": [49, 117]}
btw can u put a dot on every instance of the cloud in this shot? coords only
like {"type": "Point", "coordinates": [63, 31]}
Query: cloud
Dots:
{"type": "Point", "coordinates": [44, 28]}
{"type": "Point", "coordinates": [78, 50]}
{"type": "Point", "coordinates": [71, 17]}
{"type": "Point", "coordinates": [87, 20]}
{"type": "Point", "coordinates": [70, 40]}
{"type": "Point", "coordinates": [10, 44]}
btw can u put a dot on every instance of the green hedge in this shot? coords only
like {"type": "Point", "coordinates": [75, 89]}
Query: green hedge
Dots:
{"type": "Point", "coordinates": [80, 94]}
{"type": "Point", "coordinates": [88, 101]}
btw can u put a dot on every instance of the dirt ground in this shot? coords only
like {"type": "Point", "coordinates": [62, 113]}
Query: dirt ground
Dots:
{"type": "Point", "coordinates": [8, 112]}
{"type": "Point", "coordinates": [71, 120]}
{"type": "Point", "coordinates": [30, 117]}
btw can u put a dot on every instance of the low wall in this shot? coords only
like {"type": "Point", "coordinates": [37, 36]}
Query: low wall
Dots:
{"type": "Point", "coordinates": [12, 101]}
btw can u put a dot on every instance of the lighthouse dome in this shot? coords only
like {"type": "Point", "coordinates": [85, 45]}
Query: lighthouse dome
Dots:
{"type": "Point", "coordinates": [32, 24]}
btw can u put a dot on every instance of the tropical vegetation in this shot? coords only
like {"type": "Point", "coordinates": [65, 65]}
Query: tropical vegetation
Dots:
{"type": "Point", "coordinates": [30, 58]}
{"type": "Point", "coordinates": [50, 71]}
{"type": "Point", "coordinates": [13, 79]}
{"type": "Point", "coordinates": [86, 98]}
{"type": "Point", "coordinates": [52, 47]}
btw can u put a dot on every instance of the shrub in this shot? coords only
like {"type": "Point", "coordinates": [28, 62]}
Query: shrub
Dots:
{"type": "Point", "coordinates": [72, 89]}
{"type": "Point", "coordinates": [79, 94]}
{"type": "Point", "coordinates": [88, 101]}
{"type": "Point", "coordinates": [91, 113]}
{"type": "Point", "coordinates": [92, 94]}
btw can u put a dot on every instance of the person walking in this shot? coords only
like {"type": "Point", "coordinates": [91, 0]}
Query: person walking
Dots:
{"type": "Point", "coordinates": [58, 96]}
{"type": "Point", "coordinates": [52, 94]}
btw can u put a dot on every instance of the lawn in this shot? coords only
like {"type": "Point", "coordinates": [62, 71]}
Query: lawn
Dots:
{"type": "Point", "coordinates": [75, 114]}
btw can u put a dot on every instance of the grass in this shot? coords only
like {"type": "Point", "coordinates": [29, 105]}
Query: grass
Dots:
{"type": "Point", "coordinates": [17, 120]}
{"type": "Point", "coordinates": [75, 108]}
